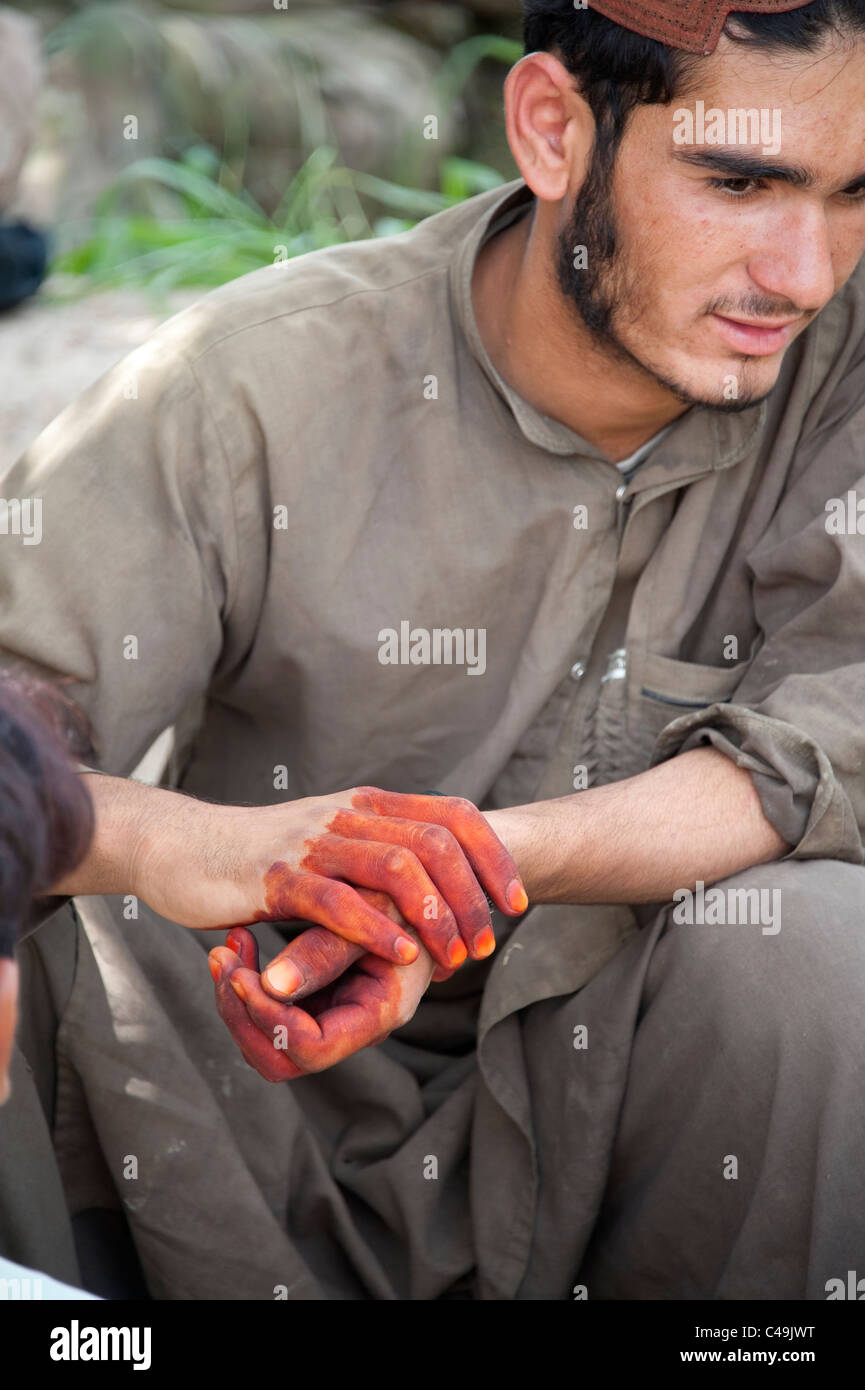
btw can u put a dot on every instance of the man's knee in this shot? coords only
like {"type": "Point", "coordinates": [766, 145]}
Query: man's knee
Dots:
{"type": "Point", "coordinates": [775, 947]}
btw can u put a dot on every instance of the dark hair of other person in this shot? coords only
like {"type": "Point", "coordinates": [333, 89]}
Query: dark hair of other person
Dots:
{"type": "Point", "coordinates": [46, 817]}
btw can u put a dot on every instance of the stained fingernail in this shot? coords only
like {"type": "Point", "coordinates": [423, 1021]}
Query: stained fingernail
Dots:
{"type": "Point", "coordinates": [485, 943]}
{"type": "Point", "coordinates": [405, 949]}
{"type": "Point", "coordinates": [456, 953]}
{"type": "Point", "coordinates": [238, 989]}
{"type": "Point", "coordinates": [284, 977]}
{"type": "Point", "coordinates": [215, 968]}
{"type": "Point", "coordinates": [516, 896]}
{"type": "Point", "coordinates": [231, 943]}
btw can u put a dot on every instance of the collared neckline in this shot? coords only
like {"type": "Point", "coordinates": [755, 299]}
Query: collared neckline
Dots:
{"type": "Point", "coordinates": [699, 441]}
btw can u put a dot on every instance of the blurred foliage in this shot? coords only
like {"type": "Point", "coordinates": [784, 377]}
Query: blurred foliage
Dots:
{"type": "Point", "coordinates": [192, 220]}
{"type": "Point", "coordinates": [224, 234]}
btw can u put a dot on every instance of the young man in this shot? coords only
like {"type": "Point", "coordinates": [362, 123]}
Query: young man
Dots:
{"type": "Point", "coordinates": [546, 505]}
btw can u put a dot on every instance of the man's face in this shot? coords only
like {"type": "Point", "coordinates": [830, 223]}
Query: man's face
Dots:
{"type": "Point", "coordinates": [687, 246]}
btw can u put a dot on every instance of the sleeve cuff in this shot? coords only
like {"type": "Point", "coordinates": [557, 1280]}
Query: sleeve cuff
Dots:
{"type": "Point", "coordinates": [797, 786]}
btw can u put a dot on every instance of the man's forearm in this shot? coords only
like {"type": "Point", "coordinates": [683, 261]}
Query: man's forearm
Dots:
{"type": "Point", "coordinates": [696, 816]}
{"type": "Point", "coordinates": [205, 865]}
{"type": "Point", "coordinates": [123, 809]}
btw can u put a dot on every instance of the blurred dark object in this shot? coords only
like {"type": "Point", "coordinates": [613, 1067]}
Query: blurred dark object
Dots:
{"type": "Point", "coordinates": [53, 707]}
{"type": "Point", "coordinates": [23, 258]}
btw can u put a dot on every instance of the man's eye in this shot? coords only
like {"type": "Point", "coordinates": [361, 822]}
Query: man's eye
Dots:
{"type": "Point", "coordinates": [736, 188]}
{"type": "Point", "coordinates": [857, 196]}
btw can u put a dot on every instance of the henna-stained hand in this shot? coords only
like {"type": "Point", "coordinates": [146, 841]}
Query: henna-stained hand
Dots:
{"type": "Point", "coordinates": [434, 857]}
{"type": "Point", "coordinates": [351, 999]}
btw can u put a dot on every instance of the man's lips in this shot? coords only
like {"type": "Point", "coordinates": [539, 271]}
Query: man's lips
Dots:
{"type": "Point", "coordinates": [756, 339]}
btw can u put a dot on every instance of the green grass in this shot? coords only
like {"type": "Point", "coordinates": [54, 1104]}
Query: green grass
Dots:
{"type": "Point", "coordinates": [218, 230]}
{"type": "Point", "coordinates": [222, 233]}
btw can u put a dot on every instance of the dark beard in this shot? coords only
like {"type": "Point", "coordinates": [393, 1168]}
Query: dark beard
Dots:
{"type": "Point", "coordinates": [602, 288]}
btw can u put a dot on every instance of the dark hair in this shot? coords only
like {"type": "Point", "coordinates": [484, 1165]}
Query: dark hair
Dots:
{"type": "Point", "coordinates": [46, 816]}
{"type": "Point", "coordinates": [617, 70]}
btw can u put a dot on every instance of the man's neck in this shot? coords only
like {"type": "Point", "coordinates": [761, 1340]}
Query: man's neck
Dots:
{"type": "Point", "coordinates": [539, 348]}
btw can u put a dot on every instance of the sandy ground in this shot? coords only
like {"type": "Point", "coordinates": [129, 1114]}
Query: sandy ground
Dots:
{"type": "Point", "coordinates": [50, 352]}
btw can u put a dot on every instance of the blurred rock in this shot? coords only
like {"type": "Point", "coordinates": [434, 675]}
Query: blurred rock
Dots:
{"type": "Point", "coordinates": [263, 91]}
{"type": "Point", "coordinates": [494, 9]}
{"type": "Point", "coordinates": [20, 65]}
{"type": "Point", "coordinates": [439, 24]}
{"type": "Point", "coordinates": [246, 6]}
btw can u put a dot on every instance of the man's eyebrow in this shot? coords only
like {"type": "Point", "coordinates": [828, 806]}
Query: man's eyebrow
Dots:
{"type": "Point", "coordinates": [735, 164]}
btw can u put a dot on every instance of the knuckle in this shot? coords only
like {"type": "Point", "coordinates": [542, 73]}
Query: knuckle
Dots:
{"type": "Point", "coordinates": [437, 839]}
{"type": "Point", "coordinates": [396, 860]}
{"type": "Point", "coordinates": [331, 896]}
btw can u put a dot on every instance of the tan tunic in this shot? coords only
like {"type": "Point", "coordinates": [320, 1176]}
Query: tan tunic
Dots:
{"type": "Point", "coordinates": [307, 387]}
{"type": "Point", "coordinates": [320, 454]}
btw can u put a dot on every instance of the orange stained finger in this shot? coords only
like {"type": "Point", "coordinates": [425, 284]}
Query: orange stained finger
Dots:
{"type": "Point", "coordinates": [313, 960]}
{"type": "Point", "coordinates": [241, 941]}
{"type": "Point", "coordinates": [286, 1029]}
{"type": "Point", "coordinates": [364, 1015]}
{"type": "Point", "coordinates": [336, 905]}
{"type": "Point", "coordinates": [494, 866]}
{"type": "Point", "coordinates": [399, 872]}
{"type": "Point", "coordinates": [257, 1050]}
{"type": "Point", "coordinates": [443, 859]}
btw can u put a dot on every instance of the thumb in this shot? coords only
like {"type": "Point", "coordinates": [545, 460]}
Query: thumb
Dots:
{"type": "Point", "coordinates": [314, 959]}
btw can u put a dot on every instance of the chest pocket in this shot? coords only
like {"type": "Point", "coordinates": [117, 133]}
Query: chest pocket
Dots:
{"type": "Point", "coordinates": [638, 698]}
{"type": "Point", "coordinates": [667, 689]}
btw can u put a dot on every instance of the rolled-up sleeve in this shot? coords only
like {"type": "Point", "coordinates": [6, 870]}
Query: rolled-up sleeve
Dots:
{"type": "Point", "coordinates": [795, 722]}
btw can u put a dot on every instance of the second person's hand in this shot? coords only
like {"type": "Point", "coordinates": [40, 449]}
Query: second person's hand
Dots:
{"type": "Point", "coordinates": [436, 857]}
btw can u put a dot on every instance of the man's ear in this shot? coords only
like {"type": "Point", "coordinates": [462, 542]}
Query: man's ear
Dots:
{"type": "Point", "coordinates": [8, 1019]}
{"type": "Point", "coordinates": [550, 126]}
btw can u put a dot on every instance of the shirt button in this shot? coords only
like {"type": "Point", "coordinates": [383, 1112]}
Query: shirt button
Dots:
{"type": "Point", "coordinates": [620, 491]}
{"type": "Point", "coordinates": [577, 671]}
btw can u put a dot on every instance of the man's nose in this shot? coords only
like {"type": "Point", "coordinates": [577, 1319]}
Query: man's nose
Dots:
{"type": "Point", "coordinates": [795, 264]}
